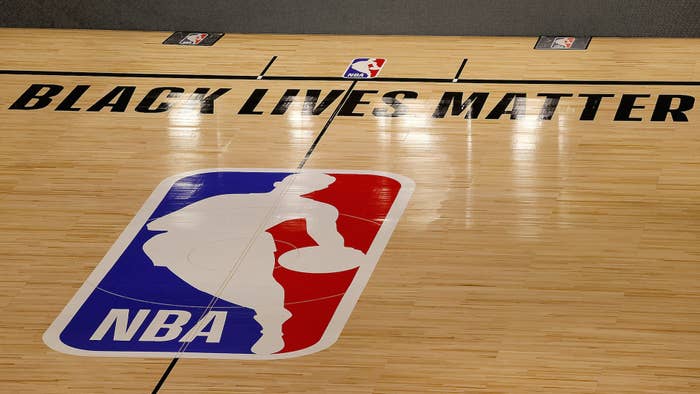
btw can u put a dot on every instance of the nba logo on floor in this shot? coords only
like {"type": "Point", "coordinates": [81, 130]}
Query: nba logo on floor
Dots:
{"type": "Point", "coordinates": [231, 263]}
{"type": "Point", "coordinates": [193, 39]}
{"type": "Point", "coordinates": [364, 68]}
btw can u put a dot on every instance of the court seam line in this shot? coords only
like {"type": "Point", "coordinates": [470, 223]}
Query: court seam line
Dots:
{"type": "Point", "coordinates": [378, 79]}
{"type": "Point", "coordinates": [231, 273]}
{"type": "Point", "coordinates": [311, 149]}
{"type": "Point", "coordinates": [239, 307]}
{"type": "Point", "coordinates": [216, 296]}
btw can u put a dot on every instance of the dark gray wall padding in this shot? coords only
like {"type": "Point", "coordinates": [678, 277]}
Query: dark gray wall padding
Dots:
{"type": "Point", "coordinates": [657, 18]}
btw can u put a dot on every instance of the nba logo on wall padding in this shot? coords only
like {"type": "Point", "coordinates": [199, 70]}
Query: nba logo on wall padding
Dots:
{"type": "Point", "coordinates": [193, 38]}
{"type": "Point", "coordinates": [364, 68]}
{"type": "Point", "coordinates": [236, 263]}
{"type": "Point", "coordinates": [563, 42]}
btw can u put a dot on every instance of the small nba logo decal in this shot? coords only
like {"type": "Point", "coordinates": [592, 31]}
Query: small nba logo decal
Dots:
{"type": "Point", "coordinates": [563, 42]}
{"type": "Point", "coordinates": [364, 68]}
{"type": "Point", "coordinates": [236, 263]}
{"type": "Point", "coordinates": [193, 39]}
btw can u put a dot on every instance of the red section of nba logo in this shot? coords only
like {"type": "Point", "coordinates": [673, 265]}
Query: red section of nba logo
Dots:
{"type": "Point", "coordinates": [376, 67]}
{"type": "Point", "coordinates": [363, 202]}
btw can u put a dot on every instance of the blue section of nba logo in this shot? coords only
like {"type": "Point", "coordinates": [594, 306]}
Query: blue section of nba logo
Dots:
{"type": "Point", "coordinates": [364, 68]}
{"type": "Point", "coordinates": [353, 73]}
{"type": "Point", "coordinates": [135, 292]}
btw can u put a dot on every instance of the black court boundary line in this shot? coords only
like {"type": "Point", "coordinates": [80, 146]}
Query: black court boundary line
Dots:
{"type": "Point", "coordinates": [303, 161]}
{"type": "Point", "coordinates": [319, 78]}
{"type": "Point", "coordinates": [318, 138]}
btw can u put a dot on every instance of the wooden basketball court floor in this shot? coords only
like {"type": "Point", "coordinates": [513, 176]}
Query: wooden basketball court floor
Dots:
{"type": "Point", "coordinates": [548, 246]}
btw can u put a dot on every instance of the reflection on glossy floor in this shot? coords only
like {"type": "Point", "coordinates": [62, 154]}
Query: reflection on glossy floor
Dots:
{"type": "Point", "coordinates": [549, 245]}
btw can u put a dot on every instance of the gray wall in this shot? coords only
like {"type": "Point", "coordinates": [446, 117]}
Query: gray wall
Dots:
{"type": "Point", "coordinates": [663, 18]}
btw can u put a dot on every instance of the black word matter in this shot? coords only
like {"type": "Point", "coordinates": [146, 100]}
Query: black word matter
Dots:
{"type": "Point", "coordinates": [396, 103]}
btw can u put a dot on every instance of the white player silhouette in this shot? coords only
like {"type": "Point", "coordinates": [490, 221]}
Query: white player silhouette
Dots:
{"type": "Point", "coordinates": [223, 238]}
{"type": "Point", "coordinates": [367, 66]}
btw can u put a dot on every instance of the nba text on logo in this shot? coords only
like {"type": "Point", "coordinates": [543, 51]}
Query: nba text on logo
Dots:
{"type": "Point", "coordinates": [232, 263]}
{"type": "Point", "coordinates": [364, 68]}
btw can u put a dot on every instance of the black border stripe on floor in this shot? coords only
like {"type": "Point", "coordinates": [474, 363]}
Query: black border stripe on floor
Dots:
{"type": "Point", "coordinates": [318, 78]}
{"type": "Point", "coordinates": [123, 75]}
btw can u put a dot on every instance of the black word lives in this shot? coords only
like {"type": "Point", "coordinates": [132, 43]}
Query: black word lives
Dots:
{"type": "Point", "coordinates": [357, 102]}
